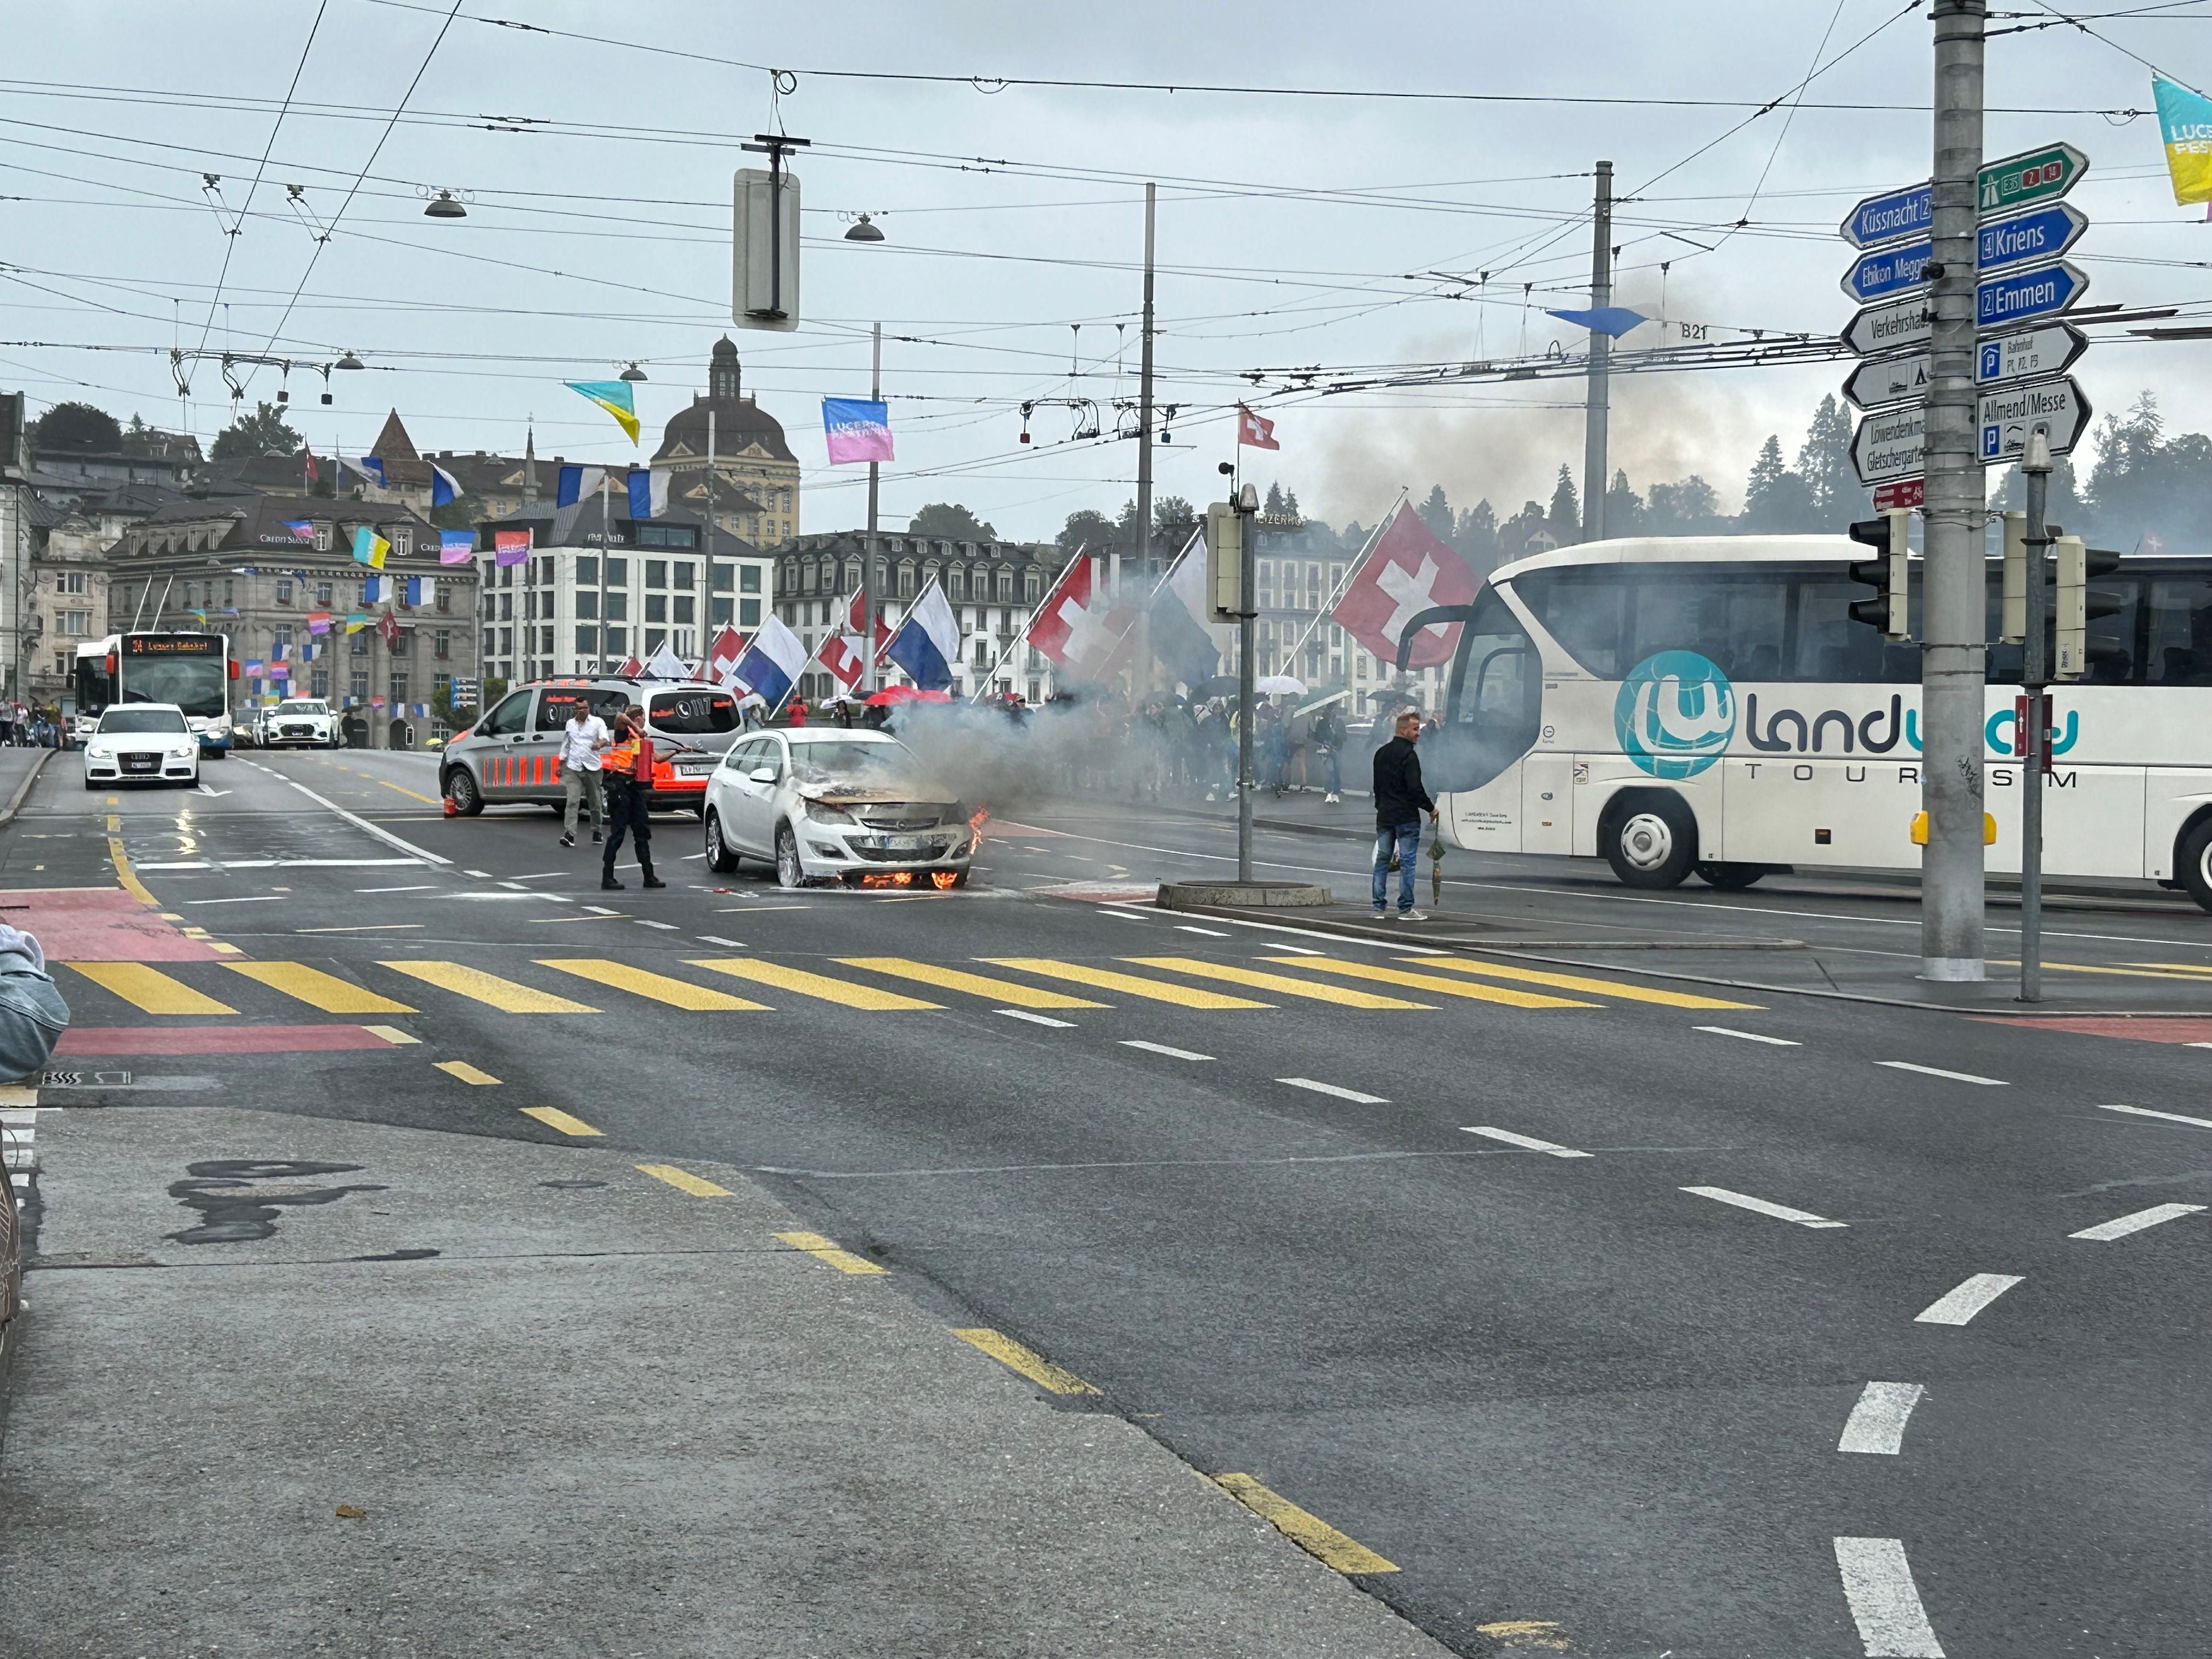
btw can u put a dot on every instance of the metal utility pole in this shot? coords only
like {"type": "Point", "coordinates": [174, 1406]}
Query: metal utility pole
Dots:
{"type": "Point", "coordinates": [2034, 678]}
{"type": "Point", "coordinates": [1953, 610]}
{"type": "Point", "coordinates": [1143, 669]}
{"type": "Point", "coordinates": [1596, 412]}
{"type": "Point", "coordinates": [607, 542]}
{"type": "Point", "coordinates": [1247, 542]}
{"type": "Point", "coordinates": [868, 548]}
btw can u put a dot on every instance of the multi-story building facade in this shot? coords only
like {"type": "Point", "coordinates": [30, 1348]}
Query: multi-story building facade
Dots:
{"type": "Point", "coordinates": [599, 586]}
{"type": "Point", "coordinates": [992, 587]}
{"type": "Point", "coordinates": [66, 605]}
{"type": "Point", "coordinates": [751, 487]}
{"type": "Point", "coordinates": [1300, 569]}
{"type": "Point", "coordinates": [236, 560]}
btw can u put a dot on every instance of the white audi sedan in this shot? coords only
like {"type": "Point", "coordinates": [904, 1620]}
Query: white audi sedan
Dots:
{"type": "Point", "coordinates": [142, 743]}
{"type": "Point", "coordinates": [836, 805]}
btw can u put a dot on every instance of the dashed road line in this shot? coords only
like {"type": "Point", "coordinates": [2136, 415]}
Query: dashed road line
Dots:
{"type": "Point", "coordinates": [1526, 1143]}
{"type": "Point", "coordinates": [1027, 1361]}
{"type": "Point", "coordinates": [826, 1251]}
{"type": "Point", "coordinates": [1211, 933]}
{"type": "Point", "coordinates": [1877, 1422]}
{"type": "Point", "coordinates": [1162, 1049]}
{"type": "Point", "coordinates": [466, 1073]}
{"type": "Point", "coordinates": [2170, 1118]}
{"type": "Point", "coordinates": [554, 1118]}
{"type": "Point", "coordinates": [1748, 1036]}
{"type": "Point", "coordinates": [2121, 1226]}
{"type": "Point", "coordinates": [1963, 1301]}
{"type": "Point", "coordinates": [1307, 1531]}
{"type": "Point", "coordinates": [1341, 1093]}
{"type": "Point", "coordinates": [683, 1181]}
{"type": "Point", "coordinates": [1885, 1602]}
{"type": "Point", "coordinates": [1761, 1207]}
{"type": "Point", "coordinates": [1028, 1017]}
{"type": "Point", "coordinates": [1937, 1071]}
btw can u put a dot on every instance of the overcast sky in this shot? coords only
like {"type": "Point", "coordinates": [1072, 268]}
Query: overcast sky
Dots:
{"type": "Point", "coordinates": [600, 232]}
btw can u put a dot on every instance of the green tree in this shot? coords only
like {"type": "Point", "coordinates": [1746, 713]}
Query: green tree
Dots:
{"type": "Point", "coordinates": [1823, 461]}
{"type": "Point", "coordinates": [1437, 513]}
{"type": "Point", "coordinates": [1273, 505]}
{"type": "Point", "coordinates": [1291, 504]}
{"type": "Point", "coordinates": [77, 428]}
{"type": "Point", "coordinates": [1686, 508]}
{"type": "Point", "coordinates": [1624, 508]}
{"type": "Point", "coordinates": [1514, 535]}
{"type": "Point", "coordinates": [1087, 528]}
{"type": "Point", "coordinates": [1475, 536]}
{"type": "Point", "coordinates": [950, 521]}
{"type": "Point", "coordinates": [264, 432]}
{"type": "Point", "coordinates": [1566, 515]}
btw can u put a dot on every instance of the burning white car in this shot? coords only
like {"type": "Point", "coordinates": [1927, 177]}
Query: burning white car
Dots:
{"type": "Point", "coordinates": [834, 804]}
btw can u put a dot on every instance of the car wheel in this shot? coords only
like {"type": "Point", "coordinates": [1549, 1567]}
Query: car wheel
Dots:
{"type": "Point", "coordinates": [1730, 878]}
{"type": "Point", "coordinates": [720, 858]}
{"type": "Point", "coordinates": [461, 790]}
{"type": "Point", "coordinates": [1650, 841]}
{"type": "Point", "coordinates": [89, 784]}
{"type": "Point", "coordinates": [788, 872]}
{"type": "Point", "coordinates": [2194, 866]}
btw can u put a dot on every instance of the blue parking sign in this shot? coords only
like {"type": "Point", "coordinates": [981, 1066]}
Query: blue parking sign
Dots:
{"type": "Point", "coordinates": [1992, 361]}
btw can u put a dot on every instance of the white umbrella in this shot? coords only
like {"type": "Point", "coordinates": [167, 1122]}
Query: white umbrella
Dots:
{"type": "Point", "coordinates": [1280, 684]}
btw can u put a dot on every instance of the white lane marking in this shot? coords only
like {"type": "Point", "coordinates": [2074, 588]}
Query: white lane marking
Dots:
{"type": "Point", "coordinates": [1748, 1036]}
{"type": "Point", "coordinates": [1526, 1143]}
{"type": "Point", "coordinates": [1885, 1602]}
{"type": "Point", "coordinates": [426, 887]}
{"type": "Point", "coordinates": [368, 928]}
{"type": "Point", "coordinates": [1038, 1019]}
{"type": "Point", "coordinates": [515, 884]}
{"type": "Point", "coordinates": [602, 910]}
{"type": "Point", "coordinates": [2196, 1045]}
{"type": "Point", "coordinates": [708, 939]}
{"type": "Point", "coordinates": [1779, 1211]}
{"type": "Point", "coordinates": [2170, 1118]}
{"type": "Point", "coordinates": [2121, 1225]}
{"type": "Point", "coordinates": [1961, 1302]}
{"type": "Point", "coordinates": [664, 926]}
{"type": "Point", "coordinates": [1937, 1071]}
{"type": "Point", "coordinates": [1162, 1049]}
{"type": "Point", "coordinates": [361, 823]}
{"type": "Point", "coordinates": [277, 863]}
{"type": "Point", "coordinates": [1341, 1092]}
{"type": "Point", "coordinates": [506, 898]}
{"type": "Point", "coordinates": [1185, 927]}
{"type": "Point", "coordinates": [1877, 1422]}
{"type": "Point", "coordinates": [256, 898]}
{"type": "Point", "coordinates": [540, 875]}
{"type": "Point", "coordinates": [484, 875]}
{"type": "Point", "coordinates": [1302, 950]}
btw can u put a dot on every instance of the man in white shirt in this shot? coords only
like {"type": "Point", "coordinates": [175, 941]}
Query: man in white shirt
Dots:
{"type": "Point", "coordinates": [583, 741]}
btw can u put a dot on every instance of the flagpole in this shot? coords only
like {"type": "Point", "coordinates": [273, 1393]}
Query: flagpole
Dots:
{"type": "Point", "coordinates": [603, 576]}
{"type": "Point", "coordinates": [868, 550]}
{"type": "Point", "coordinates": [1016, 643]}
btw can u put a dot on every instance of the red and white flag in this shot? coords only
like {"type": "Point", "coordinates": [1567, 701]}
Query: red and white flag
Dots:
{"type": "Point", "coordinates": [1408, 571]}
{"type": "Point", "coordinates": [856, 624]}
{"type": "Point", "coordinates": [721, 665]}
{"type": "Point", "coordinates": [1073, 626]}
{"type": "Point", "coordinates": [841, 654]}
{"type": "Point", "coordinates": [1254, 432]}
{"type": "Point", "coordinates": [631, 669]}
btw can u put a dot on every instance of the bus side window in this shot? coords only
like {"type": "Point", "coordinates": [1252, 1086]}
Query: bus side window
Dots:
{"type": "Point", "coordinates": [1585, 610]}
{"type": "Point", "coordinates": [1826, 644]}
{"type": "Point", "coordinates": [1735, 618]}
{"type": "Point", "coordinates": [2178, 632]}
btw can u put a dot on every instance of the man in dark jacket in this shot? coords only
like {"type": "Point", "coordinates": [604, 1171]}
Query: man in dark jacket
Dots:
{"type": "Point", "coordinates": [1400, 800]}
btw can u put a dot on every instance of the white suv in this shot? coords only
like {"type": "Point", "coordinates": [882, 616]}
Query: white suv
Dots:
{"type": "Point", "coordinates": [302, 722]}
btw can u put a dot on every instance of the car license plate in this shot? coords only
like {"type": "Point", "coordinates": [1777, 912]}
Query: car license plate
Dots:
{"type": "Point", "coordinates": [902, 844]}
{"type": "Point", "coordinates": [138, 763]}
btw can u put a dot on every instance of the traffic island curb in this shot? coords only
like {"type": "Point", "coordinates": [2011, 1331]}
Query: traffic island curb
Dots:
{"type": "Point", "coordinates": [1237, 896]}
{"type": "Point", "coordinates": [16, 801]}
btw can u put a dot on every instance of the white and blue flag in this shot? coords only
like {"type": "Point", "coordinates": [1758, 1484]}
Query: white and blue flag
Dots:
{"type": "Point", "coordinates": [577, 483]}
{"type": "Point", "coordinates": [772, 662]}
{"type": "Point", "coordinates": [648, 493]}
{"type": "Point", "coordinates": [445, 487]}
{"type": "Point", "coordinates": [928, 644]}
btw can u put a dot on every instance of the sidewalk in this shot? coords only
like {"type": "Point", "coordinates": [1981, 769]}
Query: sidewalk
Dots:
{"type": "Point", "coordinates": [293, 1385]}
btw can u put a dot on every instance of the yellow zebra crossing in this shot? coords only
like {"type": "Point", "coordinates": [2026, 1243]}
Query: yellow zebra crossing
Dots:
{"type": "Point", "coordinates": [1202, 984]}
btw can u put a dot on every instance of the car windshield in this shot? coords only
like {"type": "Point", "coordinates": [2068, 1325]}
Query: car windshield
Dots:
{"type": "Point", "coordinates": [141, 719]}
{"type": "Point", "coordinates": [843, 757]}
{"type": "Point", "coordinates": [301, 709]}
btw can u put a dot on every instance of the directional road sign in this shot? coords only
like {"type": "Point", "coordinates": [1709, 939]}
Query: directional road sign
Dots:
{"type": "Point", "coordinates": [2041, 235]}
{"type": "Point", "coordinates": [2008, 414]}
{"type": "Point", "coordinates": [2032, 177]}
{"type": "Point", "coordinates": [1884, 381]}
{"type": "Point", "coordinates": [1891, 327]}
{"type": "Point", "coordinates": [1887, 272]}
{"type": "Point", "coordinates": [1888, 447]}
{"type": "Point", "coordinates": [2034, 354]}
{"type": "Point", "coordinates": [2018, 295]}
{"type": "Point", "coordinates": [1906, 492]}
{"type": "Point", "coordinates": [2043, 175]}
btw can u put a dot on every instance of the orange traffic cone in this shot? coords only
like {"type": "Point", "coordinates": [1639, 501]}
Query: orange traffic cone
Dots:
{"type": "Point", "coordinates": [451, 810]}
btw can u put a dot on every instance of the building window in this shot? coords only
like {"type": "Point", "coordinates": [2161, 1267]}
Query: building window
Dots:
{"type": "Point", "coordinates": [73, 582]}
{"type": "Point", "coordinates": [655, 639]}
{"type": "Point", "coordinates": [323, 538]}
{"type": "Point", "coordinates": [656, 607]}
{"type": "Point", "coordinates": [685, 571]}
{"type": "Point", "coordinates": [587, 605]}
{"type": "Point", "coordinates": [617, 607]}
{"type": "Point", "coordinates": [587, 570]}
{"type": "Point", "coordinates": [656, 573]}
{"type": "Point", "coordinates": [445, 596]}
{"type": "Point", "coordinates": [618, 575]}
{"type": "Point", "coordinates": [441, 644]}
{"type": "Point", "coordinates": [399, 691]}
{"type": "Point", "coordinates": [490, 639]}
{"type": "Point", "coordinates": [402, 541]}
{"type": "Point", "coordinates": [617, 639]}
{"type": "Point", "coordinates": [721, 610]}
{"type": "Point", "coordinates": [322, 593]}
{"type": "Point", "coordinates": [667, 535]}
{"type": "Point", "coordinates": [284, 591]}
{"type": "Point", "coordinates": [318, 682]}
{"type": "Point", "coordinates": [722, 577]}
{"type": "Point", "coordinates": [749, 613]}
{"type": "Point", "coordinates": [587, 640]}
{"type": "Point", "coordinates": [357, 643]}
{"type": "Point", "coordinates": [686, 609]}
{"type": "Point", "coordinates": [506, 607]}
{"type": "Point", "coordinates": [906, 581]}
{"type": "Point", "coordinates": [506, 642]}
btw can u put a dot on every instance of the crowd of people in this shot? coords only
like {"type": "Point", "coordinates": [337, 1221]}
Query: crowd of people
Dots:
{"type": "Point", "coordinates": [25, 725]}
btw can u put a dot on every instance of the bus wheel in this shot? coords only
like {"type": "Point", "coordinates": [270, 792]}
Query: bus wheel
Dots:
{"type": "Point", "coordinates": [2195, 865]}
{"type": "Point", "coordinates": [1729, 877]}
{"type": "Point", "coordinates": [1651, 842]}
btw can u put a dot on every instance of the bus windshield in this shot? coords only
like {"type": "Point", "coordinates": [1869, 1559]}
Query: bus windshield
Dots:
{"type": "Point", "coordinates": [195, 685]}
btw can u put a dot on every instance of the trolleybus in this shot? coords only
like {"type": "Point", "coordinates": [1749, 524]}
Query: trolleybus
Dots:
{"type": "Point", "coordinates": [193, 670]}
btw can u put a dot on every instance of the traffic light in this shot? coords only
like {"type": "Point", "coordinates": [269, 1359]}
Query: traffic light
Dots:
{"type": "Point", "coordinates": [1225, 529]}
{"type": "Point", "coordinates": [2012, 630]}
{"type": "Point", "coordinates": [2078, 566]}
{"type": "Point", "coordinates": [1889, 609]}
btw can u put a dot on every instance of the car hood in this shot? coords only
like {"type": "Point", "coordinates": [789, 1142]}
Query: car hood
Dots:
{"type": "Point", "coordinates": [854, 791]}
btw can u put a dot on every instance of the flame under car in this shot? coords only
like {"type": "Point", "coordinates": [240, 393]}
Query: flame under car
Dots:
{"type": "Point", "coordinates": [826, 806]}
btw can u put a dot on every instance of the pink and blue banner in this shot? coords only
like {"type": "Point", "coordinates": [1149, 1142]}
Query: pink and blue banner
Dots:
{"type": "Point", "coordinates": [456, 546]}
{"type": "Point", "coordinates": [858, 429]}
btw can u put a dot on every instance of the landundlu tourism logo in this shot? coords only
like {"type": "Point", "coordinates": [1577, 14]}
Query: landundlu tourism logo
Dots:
{"type": "Point", "coordinates": [1675, 714]}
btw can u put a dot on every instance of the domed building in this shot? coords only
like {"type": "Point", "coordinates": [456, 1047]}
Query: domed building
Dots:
{"type": "Point", "coordinates": [750, 484]}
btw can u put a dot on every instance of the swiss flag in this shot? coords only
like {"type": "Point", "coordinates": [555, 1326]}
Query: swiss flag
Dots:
{"type": "Point", "coordinates": [841, 654]}
{"type": "Point", "coordinates": [856, 624]}
{"type": "Point", "coordinates": [631, 669]}
{"type": "Point", "coordinates": [1072, 626]}
{"type": "Point", "coordinates": [1409, 571]}
{"type": "Point", "coordinates": [722, 656]}
{"type": "Point", "coordinates": [390, 628]}
{"type": "Point", "coordinates": [1254, 432]}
